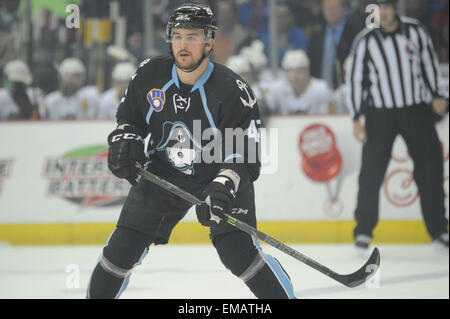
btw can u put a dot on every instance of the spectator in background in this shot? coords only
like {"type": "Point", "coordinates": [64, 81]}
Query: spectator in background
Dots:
{"type": "Point", "coordinates": [18, 99]}
{"type": "Point", "coordinates": [8, 15]}
{"type": "Point", "coordinates": [289, 37]}
{"type": "Point", "coordinates": [297, 92]}
{"type": "Point", "coordinates": [330, 46]}
{"type": "Point", "coordinates": [7, 52]}
{"type": "Point", "coordinates": [72, 100]}
{"type": "Point", "coordinates": [109, 101]}
{"type": "Point", "coordinates": [253, 14]}
{"type": "Point", "coordinates": [8, 24]}
{"type": "Point", "coordinates": [425, 12]}
{"type": "Point", "coordinates": [307, 15]}
{"type": "Point", "coordinates": [440, 22]}
{"type": "Point", "coordinates": [231, 37]}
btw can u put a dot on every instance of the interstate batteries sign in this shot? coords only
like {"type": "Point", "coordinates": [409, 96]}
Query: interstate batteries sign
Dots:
{"type": "Point", "coordinates": [82, 177]}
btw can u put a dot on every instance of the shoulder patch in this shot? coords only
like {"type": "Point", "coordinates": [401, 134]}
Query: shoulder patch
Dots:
{"type": "Point", "coordinates": [249, 100]}
{"type": "Point", "coordinates": [156, 98]}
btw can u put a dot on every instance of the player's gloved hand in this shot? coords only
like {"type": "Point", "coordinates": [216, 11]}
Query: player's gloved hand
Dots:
{"type": "Point", "coordinates": [126, 149]}
{"type": "Point", "coordinates": [220, 195]}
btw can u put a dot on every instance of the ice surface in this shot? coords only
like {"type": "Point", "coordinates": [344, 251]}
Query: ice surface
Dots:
{"type": "Point", "coordinates": [195, 271]}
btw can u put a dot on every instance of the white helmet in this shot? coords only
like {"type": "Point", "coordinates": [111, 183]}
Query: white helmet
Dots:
{"type": "Point", "coordinates": [71, 66]}
{"type": "Point", "coordinates": [255, 54]}
{"type": "Point", "coordinates": [123, 72]}
{"type": "Point", "coordinates": [239, 64]}
{"type": "Point", "coordinates": [295, 59]}
{"type": "Point", "coordinates": [18, 71]}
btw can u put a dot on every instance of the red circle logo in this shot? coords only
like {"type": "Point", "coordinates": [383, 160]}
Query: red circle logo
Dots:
{"type": "Point", "coordinates": [321, 160]}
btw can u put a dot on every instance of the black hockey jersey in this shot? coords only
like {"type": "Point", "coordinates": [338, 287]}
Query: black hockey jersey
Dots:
{"type": "Point", "coordinates": [194, 130]}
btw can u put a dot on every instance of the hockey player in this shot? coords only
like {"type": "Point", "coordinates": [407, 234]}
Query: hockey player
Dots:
{"type": "Point", "coordinates": [169, 97]}
{"type": "Point", "coordinates": [73, 100]}
{"type": "Point", "coordinates": [110, 100]}
{"type": "Point", "coordinates": [18, 99]}
{"type": "Point", "coordinates": [297, 92]}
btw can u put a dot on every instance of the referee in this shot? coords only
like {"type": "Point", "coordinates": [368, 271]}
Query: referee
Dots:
{"type": "Point", "coordinates": [393, 81]}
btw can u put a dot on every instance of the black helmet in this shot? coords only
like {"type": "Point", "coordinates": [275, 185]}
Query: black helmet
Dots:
{"type": "Point", "coordinates": [192, 16]}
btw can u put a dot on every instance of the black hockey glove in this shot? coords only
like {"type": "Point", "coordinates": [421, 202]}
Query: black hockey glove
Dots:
{"type": "Point", "coordinates": [220, 195]}
{"type": "Point", "coordinates": [126, 148]}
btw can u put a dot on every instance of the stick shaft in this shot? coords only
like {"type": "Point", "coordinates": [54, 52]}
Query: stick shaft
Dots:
{"type": "Point", "coordinates": [349, 280]}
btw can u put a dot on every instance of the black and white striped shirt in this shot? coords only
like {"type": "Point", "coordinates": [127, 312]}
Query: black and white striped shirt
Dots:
{"type": "Point", "coordinates": [392, 70]}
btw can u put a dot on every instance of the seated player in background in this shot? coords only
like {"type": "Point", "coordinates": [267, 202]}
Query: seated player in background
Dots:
{"type": "Point", "coordinates": [110, 99]}
{"type": "Point", "coordinates": [18, 99]}
{"type": "Point", "coordinates": [296, 92]}
{"type": "Point", "coordinates": [73, 100]}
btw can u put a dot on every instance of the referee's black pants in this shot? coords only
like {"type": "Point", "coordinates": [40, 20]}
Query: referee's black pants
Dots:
{"type": "Point", "coordinates": [417, 127]}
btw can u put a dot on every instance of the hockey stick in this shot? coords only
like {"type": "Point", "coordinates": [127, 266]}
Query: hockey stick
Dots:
{"type": "Point", "coordinates": [350, 280]}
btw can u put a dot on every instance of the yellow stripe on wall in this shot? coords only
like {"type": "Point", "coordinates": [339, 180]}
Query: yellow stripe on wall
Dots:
{"type": "Point", "coordinates": [321, 232]}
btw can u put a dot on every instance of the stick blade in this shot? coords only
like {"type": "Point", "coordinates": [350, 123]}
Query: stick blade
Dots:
{"type": "Point", "coordinates": [360, 276]}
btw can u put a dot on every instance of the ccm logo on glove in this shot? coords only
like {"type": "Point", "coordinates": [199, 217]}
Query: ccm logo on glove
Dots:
{"type": "Point", "coordinates": [127, 136]}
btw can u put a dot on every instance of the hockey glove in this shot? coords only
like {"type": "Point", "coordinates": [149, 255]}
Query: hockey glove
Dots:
{"type": "Point", "coordinates": [220, 195]}
{"type": "Point", "coordinates": [126, 148]}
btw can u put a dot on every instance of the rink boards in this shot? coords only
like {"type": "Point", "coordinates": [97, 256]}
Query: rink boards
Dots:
{"type": "Point", "coordinates": [55, 187]}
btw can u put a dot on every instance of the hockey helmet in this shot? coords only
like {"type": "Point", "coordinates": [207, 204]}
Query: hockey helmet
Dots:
{"type": "Point", "coordinates": [255, 54]}
{"type": "Point", "coordinates": [192, 16]}
{"type": "Point", "coordinates": [71, 66]}
{"type": "Point", "coordinates": [239, 64]}
{"type": "Point", "coordinates": [295, 59]}
{"type": "Point", "coordinates": [18, 71]}
{"type": "Point", "coordinates": [123, 72]}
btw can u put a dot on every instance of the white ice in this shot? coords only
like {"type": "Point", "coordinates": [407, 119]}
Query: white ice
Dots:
{"type": "Point", "coordinates": [194, 271]}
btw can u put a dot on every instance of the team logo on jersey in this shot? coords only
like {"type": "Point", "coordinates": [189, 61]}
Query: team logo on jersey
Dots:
{"type": "Point", "coordinates": [250, 101]}
{"type": "Point", "coordinates": [181, 103]}
{"type": "Point", "coordinates": [156, 98]}
{"type": "Point", "coordinates": [180, 146]}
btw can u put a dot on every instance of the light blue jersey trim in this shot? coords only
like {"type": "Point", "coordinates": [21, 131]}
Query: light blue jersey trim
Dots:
{"type": "Point", "coordinates": [277, 270]}
{"type": "Point", "coordinates": [175, 76]}
{"type": "Point", "coordinates": [233, 156]}
{"type": "Point", "coordinates": [204, 77]}
{"type": "Point", "coordinates": [149, 114]}
{"type": "Point", "coordinates": [168, 85]}
{"type": "Point", "coordinates": [127, 279]}
{"type": "Point", "coordinates": [198, 85]}
{"type": "Point", "coordinates": [150, 110]}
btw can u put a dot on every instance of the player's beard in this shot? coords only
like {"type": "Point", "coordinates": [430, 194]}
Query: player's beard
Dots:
{"type": "Point", "coordinates": [186, 62]}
